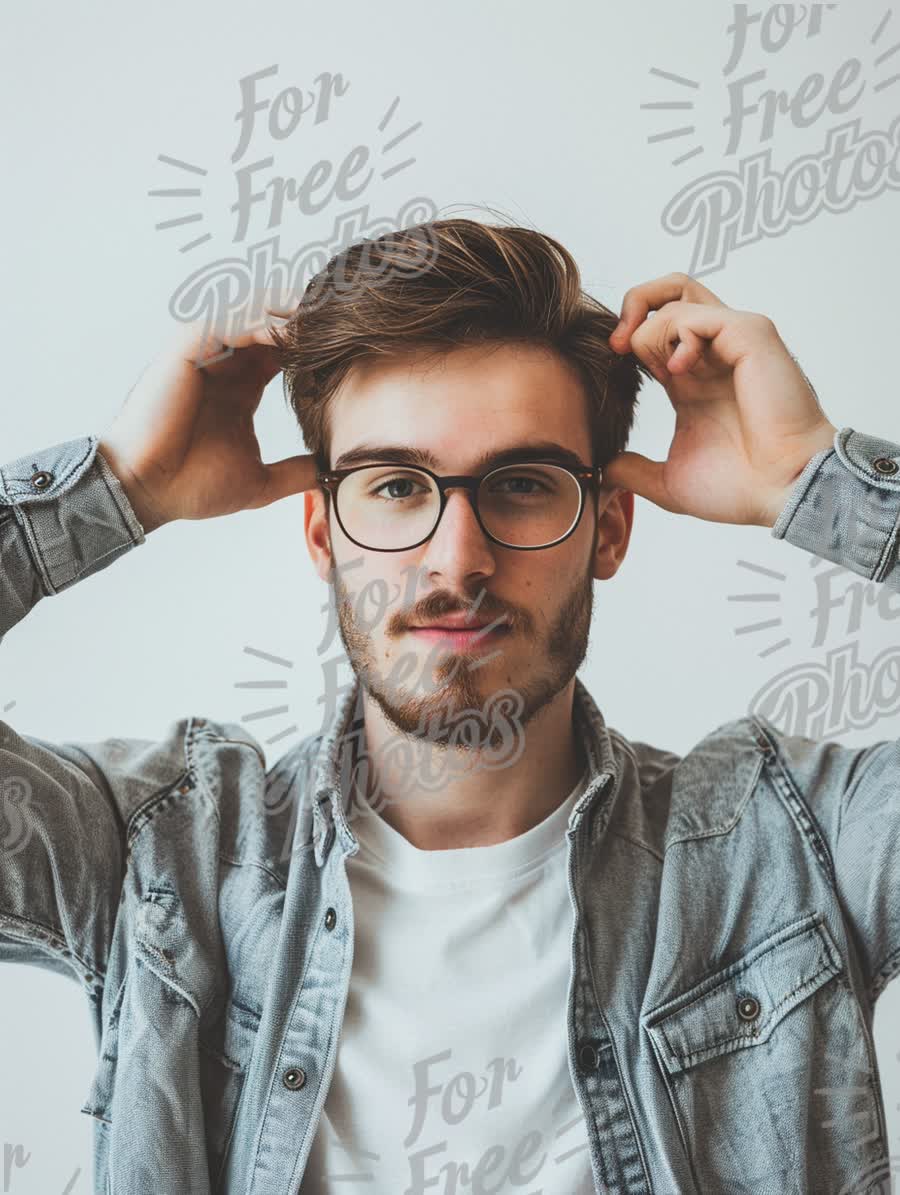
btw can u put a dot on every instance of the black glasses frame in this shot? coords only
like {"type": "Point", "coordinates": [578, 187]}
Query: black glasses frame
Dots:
{"type": "Point", "coordinates": [469, 482]}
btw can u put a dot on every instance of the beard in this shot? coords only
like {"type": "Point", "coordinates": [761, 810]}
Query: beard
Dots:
{"type": "Point", "coordinates": [461, 691]}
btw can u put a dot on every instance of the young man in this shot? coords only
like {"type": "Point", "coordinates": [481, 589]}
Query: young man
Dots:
{"type": "Point", "coordinates": [469, 937]}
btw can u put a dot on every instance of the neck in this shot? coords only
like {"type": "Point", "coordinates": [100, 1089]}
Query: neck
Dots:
{"type": "Point", "coordinates": [467, 797]}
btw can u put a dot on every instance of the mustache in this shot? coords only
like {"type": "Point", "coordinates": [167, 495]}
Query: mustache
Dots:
{"type": "Point", "coordinates": [475, 612]}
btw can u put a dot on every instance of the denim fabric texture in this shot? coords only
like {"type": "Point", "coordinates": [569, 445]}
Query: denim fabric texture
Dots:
{"type": "Point", "coordinates": [736, 910]}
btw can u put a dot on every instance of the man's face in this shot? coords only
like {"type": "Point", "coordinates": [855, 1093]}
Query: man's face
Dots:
{"type": "Point", "coordinates": [470, 402]}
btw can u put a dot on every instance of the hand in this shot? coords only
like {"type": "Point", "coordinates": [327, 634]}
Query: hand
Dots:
{"type": "Point", "coordinates": [183, 444]}
{"type": "Point", "coordinates": [747, 419]}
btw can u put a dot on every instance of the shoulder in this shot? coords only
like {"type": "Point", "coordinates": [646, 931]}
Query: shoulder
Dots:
{"type": "Point", "coordinates": [204, 765]}
{"type": "Point", "coordinates": [667, 797]}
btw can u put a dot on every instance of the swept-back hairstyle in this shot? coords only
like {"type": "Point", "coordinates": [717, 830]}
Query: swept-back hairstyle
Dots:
{"type": "Point", "coordinates": [447, 284]}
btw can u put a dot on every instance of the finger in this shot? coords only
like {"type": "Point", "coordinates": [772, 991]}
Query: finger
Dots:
{"type": "Point", "coordinates": [656, 341]}
{"type": "Point", "coordinates": [292, 475]}
{"type": "Point", "coordinates": [635, 472]}
{"type": "Point", "coordinates": [640, 300]}
{"type": "Point", "coordinates": [264, 335]}
{"type": "Point", "coordinates": [688, 351]}
{"type": "Point", "coordinates": [219, 335]}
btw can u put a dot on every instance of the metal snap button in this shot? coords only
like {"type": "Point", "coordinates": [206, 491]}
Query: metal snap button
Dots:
{"type": "Point", "coordinates": [41, 479]}
{"type": "Point", "coordinates": [294, 1078]}
{"type": "Point", "coordinates": [330, 919]}
{"type": "Point", "coordinates": [588, 1057]}
{"type": "Point", "coordinates": [884, 464]}
{"type": "Point", "coordinates": [748, 1008]}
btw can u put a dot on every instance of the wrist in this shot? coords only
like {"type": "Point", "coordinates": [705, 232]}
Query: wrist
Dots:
{"type": "Point", "coordinates": [146, 513]}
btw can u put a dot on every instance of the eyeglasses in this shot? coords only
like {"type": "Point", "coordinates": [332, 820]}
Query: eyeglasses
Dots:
{"type": "Point", "coordinates": [392, 508]}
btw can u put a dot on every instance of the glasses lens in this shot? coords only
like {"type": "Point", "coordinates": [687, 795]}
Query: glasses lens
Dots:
{"type": "Point", "coordinates": [388, 507]}
{"type": "Point", "coordinates": [527, 506]}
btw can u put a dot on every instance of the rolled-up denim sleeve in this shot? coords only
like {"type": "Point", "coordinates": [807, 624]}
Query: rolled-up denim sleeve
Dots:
{"type": "Point", "coordinates": [63, 516]}
{"type": "Point", "coordinates": [845, 507]}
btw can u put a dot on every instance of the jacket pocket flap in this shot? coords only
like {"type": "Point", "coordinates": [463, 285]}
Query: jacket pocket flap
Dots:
{"type": "Point", "coordinates": [857, 451]}
{"type": "Point", "coordinates": [741, 1005]}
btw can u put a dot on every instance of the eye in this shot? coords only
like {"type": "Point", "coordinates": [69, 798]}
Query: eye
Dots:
{"type": "Point", "coordinates": [515, 481]}
{"type": "Point", "coordinates": [527, 480]}
{"type": "Point", "coordinates": [395, 481]}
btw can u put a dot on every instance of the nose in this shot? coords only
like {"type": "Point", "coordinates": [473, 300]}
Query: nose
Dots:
{"type": "Point", "coordinates": [458, 547]}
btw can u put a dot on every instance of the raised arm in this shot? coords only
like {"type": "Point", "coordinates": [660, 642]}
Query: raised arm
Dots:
{"type": "Point", "coordinates": [182, 446]}
{"type": "Point", "coordinates": [63, 516]}
{"type": "Point", "coordinates": [845, 507]}
{"type": "Point", "coordinates": [752, 445]}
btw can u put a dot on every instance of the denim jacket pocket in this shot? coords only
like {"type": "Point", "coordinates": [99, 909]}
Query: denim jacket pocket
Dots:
{"type": "Point", "coordinates": [773, 1046]}
{"type": "Point", "coordinates": [742, 1005]}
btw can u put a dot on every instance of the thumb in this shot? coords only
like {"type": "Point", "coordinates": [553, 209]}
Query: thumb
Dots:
{"type": "Point", "coordinates": [289, 476]}
{"type": "Point", "coordinates": [632, 471]}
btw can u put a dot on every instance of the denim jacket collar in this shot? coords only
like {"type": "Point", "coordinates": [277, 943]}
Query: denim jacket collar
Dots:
{"type": "Point", "coordinates": [344, 737]}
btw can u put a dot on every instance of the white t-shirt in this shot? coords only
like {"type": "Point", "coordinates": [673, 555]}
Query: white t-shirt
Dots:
{"type": "Point", "coordinates": [452, 1073]}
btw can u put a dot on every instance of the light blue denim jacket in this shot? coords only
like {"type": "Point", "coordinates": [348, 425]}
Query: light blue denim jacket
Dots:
{"type": "Point", "coordinates": [735, 911]}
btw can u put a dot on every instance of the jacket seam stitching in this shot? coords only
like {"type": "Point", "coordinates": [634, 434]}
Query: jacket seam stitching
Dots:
{"type": "Point", "coordinates": [719, 831]}
{"type": "Point", "coordinates": [166, 790]}
{"type": "Point", "coordinates": [54, 938]}
{"type": "Point", "coordinates": [797, 805]}
{"type": "Point", "coordinates": [623, 1084]}
{"type": "Point", "coordinates": [888, 553]}
{"type": "Point", "coordinates": [34, 549]}
{"type": "Point", "coordinates": [623, 1088]}
{"type": "Point", "coordinates": [883, 974]}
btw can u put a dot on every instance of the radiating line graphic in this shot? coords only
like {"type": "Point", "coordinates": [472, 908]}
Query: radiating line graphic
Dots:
{"type": "Point", "coordinates": [271, 711]}
{"type": "Point", "coordinates": [766, 624]}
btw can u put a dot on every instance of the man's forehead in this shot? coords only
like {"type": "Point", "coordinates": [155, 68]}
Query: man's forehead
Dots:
{"type": "Point", "coordinates": [438, 366]}
{"type": "Point", "coordinates": [535, 410]}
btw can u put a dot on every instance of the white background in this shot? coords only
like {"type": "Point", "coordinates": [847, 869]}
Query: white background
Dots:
{"type": "Point", "coordinates": [532, 109]}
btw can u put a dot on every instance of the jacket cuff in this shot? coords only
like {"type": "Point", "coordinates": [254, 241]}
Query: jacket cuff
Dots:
{"type": "Point", "coordinates": [71, 508]}
{"type": "Point", "coordinates": [845, 506]}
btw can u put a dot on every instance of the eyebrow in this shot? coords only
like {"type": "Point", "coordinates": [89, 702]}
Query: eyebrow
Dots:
{"type": "Point", "coordinates": [400, 454]}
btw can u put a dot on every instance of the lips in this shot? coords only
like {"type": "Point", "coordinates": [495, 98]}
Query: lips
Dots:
{"type": "Point", "coordinates": [455, 623]}
{"type": "Point", "coordinates": [476, 639]}
{"type": "Point", "coordinates": [448, 626]}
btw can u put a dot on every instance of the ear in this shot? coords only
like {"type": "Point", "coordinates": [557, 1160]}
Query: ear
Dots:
{"type": "Point", "coordinates": [615, 516]}
{"type": "Point", "coordinates": [317, 531]}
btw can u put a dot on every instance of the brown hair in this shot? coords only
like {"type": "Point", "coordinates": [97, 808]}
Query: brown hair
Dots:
{"type": "Point", "coordinates": [446, 284]}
